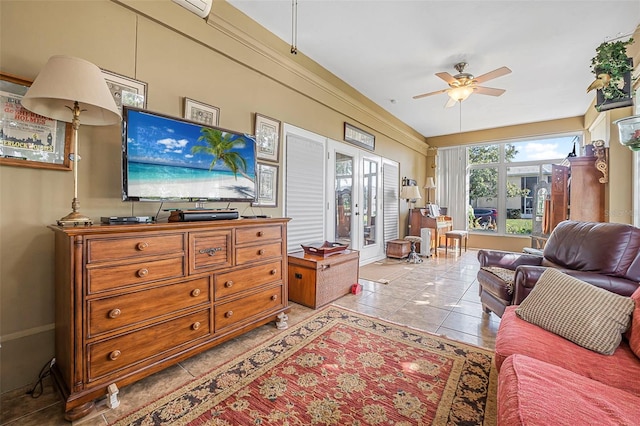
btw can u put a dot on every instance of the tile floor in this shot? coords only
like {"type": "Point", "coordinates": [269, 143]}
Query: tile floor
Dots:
{"type": "Point", "coordinates": [444, 301]}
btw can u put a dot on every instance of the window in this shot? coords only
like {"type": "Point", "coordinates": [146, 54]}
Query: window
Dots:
{"type": "Point", "coordinates": [503, 177]}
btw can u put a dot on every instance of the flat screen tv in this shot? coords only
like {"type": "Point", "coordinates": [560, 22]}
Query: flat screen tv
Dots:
{"type": "Point", "coordinates": [171, 159]}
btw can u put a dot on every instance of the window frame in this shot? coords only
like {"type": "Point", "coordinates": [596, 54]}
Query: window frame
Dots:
{"type": "Point", "coordinates": [502, 168]}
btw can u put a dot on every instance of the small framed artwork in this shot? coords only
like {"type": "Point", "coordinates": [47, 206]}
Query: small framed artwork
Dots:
{"type": "Point", "coordinates": [201, 113]}
{"type": "Point", "coordinates": [125, 90]}
{"type": "Point", "coordinates": [28, 139]}
{"type": "Point", "coordinates": [359, 137]}
{"type": "Point", "coordinates": [267, 185]}
{"type": "Point", "coordinates": [267, 138]}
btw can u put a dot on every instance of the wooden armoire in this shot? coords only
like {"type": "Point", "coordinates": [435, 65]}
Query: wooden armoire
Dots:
{"type": "Point", "coordinates": [578, 191]}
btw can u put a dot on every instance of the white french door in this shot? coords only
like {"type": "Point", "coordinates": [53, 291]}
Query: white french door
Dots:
{"type": "Point", "coordinates": [355, 200]}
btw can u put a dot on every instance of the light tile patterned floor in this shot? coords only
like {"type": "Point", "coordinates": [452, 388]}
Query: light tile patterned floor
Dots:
{"type": "Point", "coordinates": [440, 295]}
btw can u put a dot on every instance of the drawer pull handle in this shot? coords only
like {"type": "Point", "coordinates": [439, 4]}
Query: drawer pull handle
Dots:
{"type": "Point", "coordinates": [195, 292]}
{"type": "Point", "coordinates": [274, 297]}
{"type": "Point", "coordinates": [228, 314]}
{"type": "Point", "coordinates": [211, 251]}
{"type": "Point", "coordinates": [143, 272]}
{"type": "Point", "coordinates": [298, 275]}
{"type": "Point", "coordinates": [143, 245]}
{"type": "Point", "coordinates": [260, 234]}
{"type": "Point", "coordinates": [114, 313]}
{"type": "Point", "coordinates": [195, 325]}
{"type": "Point", "coordinates": [114, 355]}
{"type": "Point", "coordinates": [261, 252]}
{"type": "Point", "coordinates": [274, 271]}
{"type": "Point", "coordinates": [228, 284]}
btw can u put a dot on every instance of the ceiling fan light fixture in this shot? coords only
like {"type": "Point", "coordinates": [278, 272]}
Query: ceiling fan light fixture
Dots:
{"type": "Point", "coordinates": [460, 93]}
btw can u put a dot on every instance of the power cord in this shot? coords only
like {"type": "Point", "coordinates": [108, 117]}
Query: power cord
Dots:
{"type": "Point", "coordinates": [44, 372]}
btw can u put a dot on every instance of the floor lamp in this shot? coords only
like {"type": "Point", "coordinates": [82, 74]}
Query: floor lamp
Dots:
{"type": "Point", "coordinates": [65, 89]}
{"type": "Point", "coordinates": [410, 193]}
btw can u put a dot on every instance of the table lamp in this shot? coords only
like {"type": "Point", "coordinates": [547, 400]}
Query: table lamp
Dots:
{"type": "Point", "coordinates": [429, 186]}
{"type": "Point", "coordinates": [66, 88]}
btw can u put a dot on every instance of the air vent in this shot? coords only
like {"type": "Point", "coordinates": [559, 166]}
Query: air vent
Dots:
{"type": "Point", "coordinates": [199, 7]}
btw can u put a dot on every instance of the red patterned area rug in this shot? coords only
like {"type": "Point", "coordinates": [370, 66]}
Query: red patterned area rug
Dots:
{"type": "Point", "coordinates": [339, 368]}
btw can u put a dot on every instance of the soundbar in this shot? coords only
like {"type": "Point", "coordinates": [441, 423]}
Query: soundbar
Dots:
{"type": "Point", "coordinates": [198, 215]}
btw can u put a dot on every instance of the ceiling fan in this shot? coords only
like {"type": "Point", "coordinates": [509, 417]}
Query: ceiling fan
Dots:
{"type": "Point", "coordinates": [463, 84]}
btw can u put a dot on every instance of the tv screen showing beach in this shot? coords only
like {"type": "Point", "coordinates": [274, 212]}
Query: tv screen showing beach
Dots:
{"type": "Point", "coordinates": [166, 158]}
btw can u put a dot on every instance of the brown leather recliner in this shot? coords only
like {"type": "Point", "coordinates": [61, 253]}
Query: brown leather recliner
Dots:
{"type": "Point", "coordinates": [606, 255]}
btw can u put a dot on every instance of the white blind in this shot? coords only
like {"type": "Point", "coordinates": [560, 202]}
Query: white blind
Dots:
{"type": "Point", "coordinates": [305, 201]}
{"type": "Point", "coordinates": [391, 208]}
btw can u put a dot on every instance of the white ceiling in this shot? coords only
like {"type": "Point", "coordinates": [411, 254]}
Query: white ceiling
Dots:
{"type": "Point", "coordinates": [389, 50]}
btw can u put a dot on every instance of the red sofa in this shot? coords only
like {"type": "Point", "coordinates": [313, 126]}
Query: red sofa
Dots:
{"type": "Point", "coordinates": [545, 379]}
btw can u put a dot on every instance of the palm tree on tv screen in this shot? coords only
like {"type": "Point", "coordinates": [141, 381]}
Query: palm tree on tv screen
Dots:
{"type": "Point", "coordinates": [221, 148]}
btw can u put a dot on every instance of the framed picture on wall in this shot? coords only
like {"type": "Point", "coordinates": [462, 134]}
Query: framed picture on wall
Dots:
{"type": "Point", "coordinates": [201, 113]}
{"type": "Point", "coordinates": [267, 185]}
{"type": "Point", "coordinates": [125, 90]}
{"type": "Point", "coordinates": [28, 139]}
{"type": "Point", "coordinates": [359, 137]}
{"type": "Point", "coordinates": [267, 133]}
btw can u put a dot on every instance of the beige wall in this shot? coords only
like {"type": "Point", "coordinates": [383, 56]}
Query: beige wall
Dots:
{"type": "Point", "coordinates": [219, 63]}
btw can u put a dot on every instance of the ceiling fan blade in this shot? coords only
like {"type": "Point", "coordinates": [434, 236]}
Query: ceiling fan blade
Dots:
{"type": "Point", "coordinates": [424, 95]}
{"type": "Point", "coordinates": [451, 102]}
{"type": "Point", "coordinates": [446, 77]}
{"type": "Point", "coordinates": [488, 91]}
{"type": "Point", "coordinates": [493, 74]}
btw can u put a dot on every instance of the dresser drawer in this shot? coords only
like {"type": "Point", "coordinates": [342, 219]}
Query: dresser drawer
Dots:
{"type": "Point", "coordinates": [116, 312]}
{"type": "Point", "coordinates": [111, 355]}
{"type": "Point", "coordinates": [226, 284]}
{"type": "Point", "coordinates": [100, 250]}
{"type": "Point", "coordinates": [210, 250]}
{"type": "Point", "coordinates": [258, 233]}
{"type": "Point", "coordinates": [112, 277]}
{"type": "Point", "coordinates": [258, 253]}
{"type": "Point", "coordinates": [227, 314]}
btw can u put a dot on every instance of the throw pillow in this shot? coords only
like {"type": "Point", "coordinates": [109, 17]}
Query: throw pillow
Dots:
{"type": "Point", "coordinates": [587, 315]}
{"type": "Point", "coordinates": [633, 334]}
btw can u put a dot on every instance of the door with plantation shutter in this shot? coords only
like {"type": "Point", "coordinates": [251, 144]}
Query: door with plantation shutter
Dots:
{"type": "Point", "coordinates": [304, 187]}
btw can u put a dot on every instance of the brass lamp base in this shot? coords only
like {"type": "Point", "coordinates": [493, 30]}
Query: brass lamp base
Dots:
{"type": "Point", "coordinates": [75, 218]}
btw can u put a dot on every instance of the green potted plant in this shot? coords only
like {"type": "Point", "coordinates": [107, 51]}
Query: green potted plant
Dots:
{"type": "Point", "coordinates": [612, 69]}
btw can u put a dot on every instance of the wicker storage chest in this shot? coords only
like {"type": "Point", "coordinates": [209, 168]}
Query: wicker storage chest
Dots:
{"type": "Point", "coordinates": [315, 281]}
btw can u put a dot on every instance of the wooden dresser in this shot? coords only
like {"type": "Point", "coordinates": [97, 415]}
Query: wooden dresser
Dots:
{"type": "Point", "coordinates": [134, 299]}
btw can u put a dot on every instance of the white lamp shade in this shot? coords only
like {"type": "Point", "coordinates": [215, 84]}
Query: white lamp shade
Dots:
{"type": "Point", "coordinates": [410, 193]}
{"type": "Point", "coordinates": [430, 183]}
{"type": "Point", "coordinates": [65, 80]}
{"type": "Point", "coordinates": [460, 93]}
